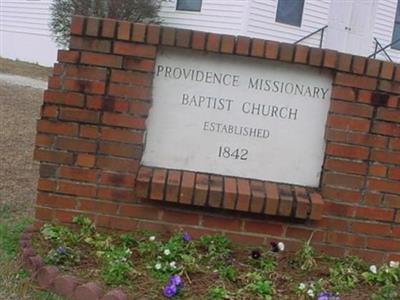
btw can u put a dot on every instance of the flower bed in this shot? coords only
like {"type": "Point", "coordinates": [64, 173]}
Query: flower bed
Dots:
{"type": "Point", "coordinates": [83, 262]}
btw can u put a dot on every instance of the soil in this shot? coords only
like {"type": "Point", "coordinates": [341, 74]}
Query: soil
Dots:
{"type": "Point", "coordinates": [24, 69]}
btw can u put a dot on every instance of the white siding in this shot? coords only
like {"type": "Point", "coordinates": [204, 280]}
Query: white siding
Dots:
{"type": "Point", "coordinates": [220, 16]}
{"type": "Point", "coordinates": [262, 21]}
{"type": "Point", "coordinates": [383, 29]}
{"type": "Point", "coordinates": [24, 31]}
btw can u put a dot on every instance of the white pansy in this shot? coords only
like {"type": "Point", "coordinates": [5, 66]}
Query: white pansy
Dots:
{"type": "Point", "coordinates": [302, 286]}
{"type": "Point", "coordinates": [394, 264]}
{"type": "Point", "coordinates": [172, 264]}
{"type": "Point", "coordinates": [167, 252]}
{"type": "Point", "coordinates": [158, 266]}
{"type": "Point", "coordinates": [281, 246]}
{"type": "Point", "coordinates": [152, 238]}
{"type": "Point", "coordinates": [128, 251]}
{"type": "Point", "coordinates": [373, 269]}
{"type": "Point", "coordinates": [311, 293]}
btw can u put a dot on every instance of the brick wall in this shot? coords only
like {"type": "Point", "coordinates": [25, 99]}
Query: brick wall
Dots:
{"type": "Point", "coordinates": [90, 140]}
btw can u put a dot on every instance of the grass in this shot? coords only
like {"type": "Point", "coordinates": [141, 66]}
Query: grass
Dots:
{"type": "Point", "coordinates": [17, 67]}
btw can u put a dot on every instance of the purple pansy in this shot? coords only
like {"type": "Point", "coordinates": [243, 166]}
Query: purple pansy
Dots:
{"type": "Point", "coordinates": [170, 290]}
{"type": "Point", "coordinates": [255, 254]}
{"type": "Point", "coordinates": [61, 250]}
{"type": "Point", "coordinates": [175, 280]}
{"type": "Point", "coordinates": [186, 237]}
{"type": "Point", "coordinates": [328, 296]}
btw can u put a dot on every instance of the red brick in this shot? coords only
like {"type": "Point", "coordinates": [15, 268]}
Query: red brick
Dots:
{"type": "Point", "coordinates": [330, 58]}
{"type": "Point", "coordinates": [87, 73]}
{"type": "Point", "coordinates": [77, 25]}
{"type": "Point", "coordinates": [303, 203]}
{"type": "Point", "coordinates": [383, 244]}
{"type": "Point", "coordinates": [316, 56]}
{"type": "Point", "coordinates": [168, 36]}
{"type": "Point", "coordinates": [124, 30]}
{"type": "Point", "coordinates": [88, 291]}
{"type": "Point", "coordinates": [384, 185]}
{"type": "Point", "coordinates": [394, 173]}
{"type": "Point", "coordinates": [158, 184]}
{"type": "Point", "coordinates": [228, 44]}
{"type": "Point", "coordinates": [271, 49]}
{"type": "Point", "coordinates": [117, 164]}
{"type": "Point", "coordinates": [345, 239]}
{"type": "Point", "coordinates": [216, 191]}
{"type": "Point", "coordinates": [287, 52]}
{"type": "Point", "coordinates": [374, 213]}
{"type": "Point", "coordinates": [343, 93]}
{"type": "Point", "coordinates": [394, 144]}
{"type": "Point", "coordinates": [341, 194]}
{"type": "Point", "coordinates": [44, 140]}
{"type": "Point", "coordinates": [55, 201]}
{"type": "Point", "coordinates": [377, 170]}
{"type": "Point", "coordinates": [346, 166]}
{"type": "Point", "coordinates": [121, 135]}
{"type": "Point", "coordinates": [371, 228]}
{"type": "Point", "coordinates": [76, 145]}
{"type": "Point", "coordinates": [347, 151]}
{"type": "Point", "coordinates": [201, 190]}
{"type": "Point", "coordinates": [54, 83]}
{"type": "Point", "coordinates": [272, 201]}
{"type": "Point", "coordinates": [123, 120]}
{"type": "Point", "coordinates": [42, 213]}
{"type": "Point", "coordinates": [358, 65]}
{"type": "Point", "coordinates": [137, 78]}
{"type": "Point", "coordinates": [49, 111]}
{"type": "Point", "coordinates": [384, 128]}
{"type": "Point", "coordinates": [153, 34]}
{"type": "Point", "coordinates": [117, 179]}
{"type": "Point", "coordinates": [76, 189]}
{"type": "Point", "coordinates": [230, 193]}
{"type": "Point", "coordinates": [140, 212]}
{"type": "Point", "coordinates": [68, 56]}
{"type": "Point", "coordinates": [243, 45]}
{"type": "Point", "coordinates": [257, 47]}
{"type": "Point", "coordinates": [64, 98]}
{"type": "Point", "coordinates": [85, 160]}
{"type": "Point", "coordinates": [139, 64]}
{"type": "Point", "coordinates": [180, 217]}
{"type": "Point", "coordinates": [373, 67]}
{"type": "Point", "coordinates": [143, 182]}
{"type": "Point", "coordinates": [343, 180]}
{"type": "Point", "coordinates": [139, 108]}
{"type": "Point", "coordinates": [53, 156]}
{"type": "Point", "coordinates": [136, 92]}
{"type": "Point", "coordinates": [263, 228]}
{"type": "Point", "coordinates": [351, 109]}
{"type": "Point", "coordinates": [198, 40]}
{"type": "Point", "coordinates": [257, 196]}
{"type": "Point", "coordinates": [183, 38]}
{"type": "Point", "coordinates": [92, 26]}
{"type": "Point", "coordinates": [173, 184]}
{"type": "Point", "coordinates": [344, 62]}
{"type": "Point", "coordinates": [301, 54]}
{"type": "Point", "coordinates": [60, 128]}
{"type": "Point", "coordinates": [134, 49]}
{"type": "Point", "coordinates": [187, 188]}
{"type": "Point", "coordinates": [369, 140]}
{"type": "Point", "coordinates": [348, 123]}
{"type": "Point", "coordinates": [218, 222]}
{"type": "Point", "coordinates": [122, 150]}
{"type": "Point", "coordinates": [116, 194]}
{"type": "Point", "coordinates": [90, 44]}
{"type": "Point", "coordinates": [385, 156]}
{"type": "Point", "coordinates": [286, 200]}
{"type": "Point", "coordinates": [46, 185]}
{"type": "Point", "coordinates": [372, 199]}
{"type": "Point", "coordinates": [356, 81]}
{"type": "Point", "coordinates": [138, 32]}
{"type": "Point", "coordinates": [104, 60]}
{"type": "Point", "coordinates": [213, 42]}
{"type": "Point", "coordinates": [79, 115]}
{"type": "Point", "coordinates": [387, 114]}
{"type": "Point", "coordinates": [244, 195]}
{"type": "Point", "coordinates": [84, 86]}
{"type": "Point", "coordinates": [387, 70]}
{"type": "Point", "coordinates": [88, 131]}
{"type": "Point", "coordinates": [108, 28]}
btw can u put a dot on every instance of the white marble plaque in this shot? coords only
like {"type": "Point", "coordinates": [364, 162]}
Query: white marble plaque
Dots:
{"type": "Point", "coordinates": [238, 116]}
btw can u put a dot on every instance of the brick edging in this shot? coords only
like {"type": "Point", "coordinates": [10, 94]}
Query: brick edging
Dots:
{"type": "Point", "coordinates": [232, 193]}
{"type": "Point", "coordinates": [50, 278]}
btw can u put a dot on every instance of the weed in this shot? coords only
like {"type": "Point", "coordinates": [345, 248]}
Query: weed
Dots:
{"type": "Point", "coordinates": [305, 257]}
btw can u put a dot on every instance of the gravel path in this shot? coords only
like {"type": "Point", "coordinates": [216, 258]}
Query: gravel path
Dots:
{"type": "Point", "coordinates": [19, 110]}
{"type": "Point", "coordinates": [22, 81]}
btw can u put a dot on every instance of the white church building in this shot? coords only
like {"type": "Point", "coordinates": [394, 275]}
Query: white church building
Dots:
{"type": "Point", "coordinates": [362, 27]}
